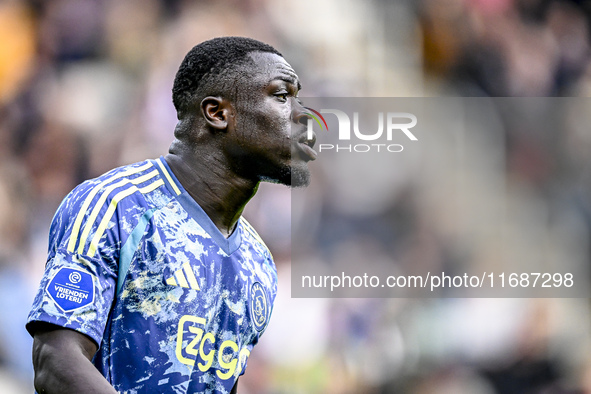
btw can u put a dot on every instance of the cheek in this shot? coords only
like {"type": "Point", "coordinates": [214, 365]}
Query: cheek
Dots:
{"type": "Point", "coordinates": [274, 122]}
{"type": "Point", "coordinates": [283, 120]}
{"type": "Point", "coordinates": [265, 119]}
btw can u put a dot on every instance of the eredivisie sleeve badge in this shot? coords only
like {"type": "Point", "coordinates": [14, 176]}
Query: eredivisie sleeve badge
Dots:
{"type": "Point", "coordinates": [71, 289]}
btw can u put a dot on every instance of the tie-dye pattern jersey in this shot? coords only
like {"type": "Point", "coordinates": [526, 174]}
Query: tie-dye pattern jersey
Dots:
{"type": "Point", "coordinates": [136, 264]}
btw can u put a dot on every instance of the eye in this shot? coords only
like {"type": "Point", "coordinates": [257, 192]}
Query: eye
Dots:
{"type": "Point", "coordinates": [282, 96]}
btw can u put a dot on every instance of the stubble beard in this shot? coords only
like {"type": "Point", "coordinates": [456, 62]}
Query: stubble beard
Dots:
{"type": "Point", "coordinates": [292, 176]}
{"type": "Point", "coordinates": [300, 177]}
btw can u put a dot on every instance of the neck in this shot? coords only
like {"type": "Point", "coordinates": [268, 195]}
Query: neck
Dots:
{"type": "Point", "coordinates": [221, 193]}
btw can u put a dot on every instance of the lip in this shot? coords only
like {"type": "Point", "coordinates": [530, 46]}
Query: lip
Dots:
{"type": "Point", "coordinates": [308, 151]}
{"type": "Point", "coordinates": [306, 147]}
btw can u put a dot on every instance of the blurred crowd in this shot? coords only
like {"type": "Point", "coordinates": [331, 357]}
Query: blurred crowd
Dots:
{"type": "Point", "coordinates": [509, 48]}
{"type": "Point", "coordinates": [85, 85]}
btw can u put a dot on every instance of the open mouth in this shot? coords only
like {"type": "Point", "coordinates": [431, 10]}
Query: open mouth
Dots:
{"type": "Point", "coordinates": [306, 147]}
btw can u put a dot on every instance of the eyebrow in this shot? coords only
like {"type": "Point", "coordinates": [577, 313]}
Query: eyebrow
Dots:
{"type": "Point", "coordinates": [288, 79]}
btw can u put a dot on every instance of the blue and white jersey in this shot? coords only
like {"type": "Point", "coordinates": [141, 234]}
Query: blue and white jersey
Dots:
{"type": "Point", "coordinates": [137, 265]}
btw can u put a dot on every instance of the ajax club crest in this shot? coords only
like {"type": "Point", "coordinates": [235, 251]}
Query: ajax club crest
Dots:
{"type": "Point", "coordinates": [259, 306]}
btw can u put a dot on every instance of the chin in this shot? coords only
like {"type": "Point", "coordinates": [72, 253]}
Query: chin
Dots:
{"type": "Point", "coordinates": [297, 176]}
{"type": "Point", "coordinates": [300, 178]}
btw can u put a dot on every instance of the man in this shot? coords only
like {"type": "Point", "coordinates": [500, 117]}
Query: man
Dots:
{"type": "Point", "coordinates": [154, 282]}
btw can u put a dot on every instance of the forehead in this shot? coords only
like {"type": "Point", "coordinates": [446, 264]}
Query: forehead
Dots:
{"type": "Point", "coordinates": [269, 67]}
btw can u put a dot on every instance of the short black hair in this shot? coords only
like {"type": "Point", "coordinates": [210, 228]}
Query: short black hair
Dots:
{"type": "Point", "coordinates": [210, 58]}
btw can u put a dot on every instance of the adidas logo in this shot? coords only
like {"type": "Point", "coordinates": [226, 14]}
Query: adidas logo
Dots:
{"type": "Point", "coordinates": [184, 278]}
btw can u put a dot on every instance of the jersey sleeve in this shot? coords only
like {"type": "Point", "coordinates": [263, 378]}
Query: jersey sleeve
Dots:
{"type": "Point", "coordinates": [79, 282]}
{"type": "Point", "coordinates": [271, 275]}
{"type": "Point", "coordinates": [270, 280]}
{"type": "Point", "coordinates": [266, 275]}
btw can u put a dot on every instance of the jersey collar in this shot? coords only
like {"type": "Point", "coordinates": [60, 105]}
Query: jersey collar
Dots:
{"type": "Point", "coordinates": [228, 245]}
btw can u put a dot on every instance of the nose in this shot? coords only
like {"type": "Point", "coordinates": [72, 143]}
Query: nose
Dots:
{"type": "Point", "coordinates": [299, 113]}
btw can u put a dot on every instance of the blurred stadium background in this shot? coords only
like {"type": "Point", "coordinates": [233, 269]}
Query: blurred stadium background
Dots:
{"type": "Point", "coordinates": [85, 86]}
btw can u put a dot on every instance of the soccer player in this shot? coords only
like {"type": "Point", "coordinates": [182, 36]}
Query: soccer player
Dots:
{"type": "Point", "coordinates": [154, 282]}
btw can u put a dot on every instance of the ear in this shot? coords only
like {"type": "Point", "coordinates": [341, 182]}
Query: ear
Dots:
{"type": "Point", "coordinates": [217, 112]}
